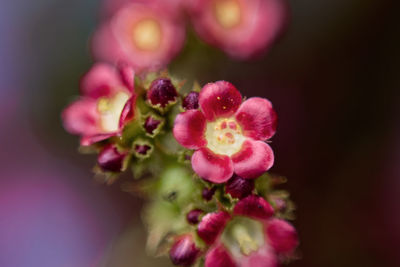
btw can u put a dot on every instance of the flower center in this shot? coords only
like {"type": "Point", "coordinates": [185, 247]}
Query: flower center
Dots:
{"type": "Point", "coordinates": [243, 236]}
{"type": "Point", "coordinates": [224, 136]}
{"type": "Point", "coordinates": [227, 13]}
{"type": "Point", "coordinates": [147, 34]}
{"type": "Point", "coordinates": [110, 110]}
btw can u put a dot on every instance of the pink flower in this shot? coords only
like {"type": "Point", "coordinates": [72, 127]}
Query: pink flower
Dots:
{"type": "Point", "coordinates": [184, 251]}
{"type": "Point", "coordinates": [249, 237]}
{"type": "Point", "coordinates": [242, 28]}
{"type": "Point", "coordinates": [228, 135]}
{"type": "Point", "coordinates": [147, 35]}
{"type": "Point", "coordinates": [106, 105]}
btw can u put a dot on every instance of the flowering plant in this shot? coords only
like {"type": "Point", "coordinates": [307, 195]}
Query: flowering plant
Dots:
{"type": "Point", "coordinates": [198, 155]}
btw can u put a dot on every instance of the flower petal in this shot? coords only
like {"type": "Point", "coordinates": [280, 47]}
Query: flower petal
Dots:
{"type": "Point", "coordinates": [101, 80]}
{"type": "Point", "coordinates": [212, 225]}
{"type": "Point", "coordinates": [282, 236]}
{"type": "Point", "coordinates": [189, 129]}
{"type": "Point", "coordinates": [219, 256]}
{"type": "Point", "coordinates": [219, 99]}
{"type": "Point", "coordinates": [211, 167]}
{"type": "Point", "coordinates": [127, 75]}
{"type": "Point", "coordinates": [91, 139]}
{"type": "Point", "coordinates": [128, 112]}
{"type": "Point", "coordinates": [81, 117]}
{"type": "Point", "coordinates": [263, 257]}
{"type": "Point", "coordinates": [254, 207]}
{"type": "Point", "coordinates": [255, 158]}
{"type": "Point", "coordinates": [257, 118]}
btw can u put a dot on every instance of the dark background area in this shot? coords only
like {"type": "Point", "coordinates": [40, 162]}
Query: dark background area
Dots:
{"type": "Point", "coordinates": [333, 78]}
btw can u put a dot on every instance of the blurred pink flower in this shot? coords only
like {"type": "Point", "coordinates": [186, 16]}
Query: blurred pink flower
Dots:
{"type": "Point", "coordinates": [106, 104]}
{"type": "Point", "coordinates": [146, 35]}
{"type": "Point", "coordinates": [242, 28]}
{"type": "Point", "coordinates": [227, 134]}
{"type": "Point", "coordinates": [249, 237]}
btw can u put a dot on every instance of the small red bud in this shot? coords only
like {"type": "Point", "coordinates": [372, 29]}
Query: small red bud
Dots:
{"type": "Point", "coordinates": [212, 225]}
{"type": "Point", "coordinates": [184, 251]}
{"type": "Point", "coordinates": [161, 92]}
{"type": "Point", "coordinates": [191, 101]}
{"type": "Point", "coordinates": [110, 159]}
{"type": "Point", "coordinates": [151, 124]}
{"type": "Point", "coordinates": [193, 217]}
{"type": "Point", "coordinates": [208, 193]}
{"type": "Point", "coordinates": [254, 207]}
{"type": "Point", "coordinates": [142, 149]}
{"type": "Point", "coordinates": [239, 187]}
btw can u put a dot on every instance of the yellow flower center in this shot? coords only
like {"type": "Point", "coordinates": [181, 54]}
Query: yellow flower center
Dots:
{"type": "Point", "coordinates": [224, 136]}
{"type": "Point", "coordinates": [227, 13]}
{"type": "Point", "coordinates": [147, 34]}
{"type": "Point", "coordinates": [243, 236]}
{"type": "Point", "coordinates": [110, 110]}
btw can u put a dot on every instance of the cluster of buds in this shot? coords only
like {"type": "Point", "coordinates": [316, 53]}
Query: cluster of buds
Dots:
{"type": "Point", "coordinates": [199, 156]}
{"type": "Point", "coordinates": [148, 34]}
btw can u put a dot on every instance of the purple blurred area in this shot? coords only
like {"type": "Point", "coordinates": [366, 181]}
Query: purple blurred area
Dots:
{"type": "Point", "coordinates": [333, 78]}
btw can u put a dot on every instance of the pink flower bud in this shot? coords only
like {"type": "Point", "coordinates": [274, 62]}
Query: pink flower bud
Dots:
{"type": "Point", "coordinates": [110, 159]}
{"type": "Point", "coordinates": [212, 225]}
{"type": "Point", "coordinates": [239, 187]}
{"type": "Point", "coordinates": [282, 236]}
{"type": "Point", "coordinates": [191, 101]}
{"type": "Point", "coordinates": [193, 217]}
{"type": "Point", "coordinates": [162, 92]}
{"type": "Point", "coordinates": [184, 251]}
{"type": "Point", "coordinates": [254, 207]}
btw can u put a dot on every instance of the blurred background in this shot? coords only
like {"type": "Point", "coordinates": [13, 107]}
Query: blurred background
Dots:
{"type": "Point", "coordinates": [333, 78]}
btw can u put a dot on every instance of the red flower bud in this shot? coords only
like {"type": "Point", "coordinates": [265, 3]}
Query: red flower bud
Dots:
{"type": "Point", "coordinates": [191, 101]}
{"type": "Point", "coordinates": [151, 124]}
{"type": "Point", "coordinates": [212, 225]}
{"type": "Point", "coordinates": [110, 159]}
{"type": "Point", "coordinates": [162, 92]}
{"type": "Point", "coordinates": [142, 149]}
{"type": "Point", "coordinates": [193, 217]}
{"type": "Point", "coordinates": [208, 193]}
{"type": "Point", "coordinates": [254, 207]}
{"type": "Point", "coordinates": [184, 251]}
{"type": "Point", "coordinates": [239, 187]}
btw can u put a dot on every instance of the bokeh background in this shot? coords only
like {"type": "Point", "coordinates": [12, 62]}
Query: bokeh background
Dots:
{"type": "Point", "coordinates": [333, 78]}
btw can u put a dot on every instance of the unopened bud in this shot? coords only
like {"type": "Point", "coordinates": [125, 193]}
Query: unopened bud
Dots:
{"type": "Point", "coordinates": [184, 251]}
{"type": "Point", "coordinates": [239, 187]}
{"type": "Point", "coordinates": [110, 159]}
{"type": "Point", "coordinates": [161, 92]}
{"type": "Point", "coordinates": [191, 101]}
{"type": "Point", "coordinates": [193, 217]}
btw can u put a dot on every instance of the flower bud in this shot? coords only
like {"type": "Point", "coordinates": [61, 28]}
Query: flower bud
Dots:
{"type": "Point", "coordinates": [152, 124]}
{"type": "Point", "coordinates": [282, 236]}
{"type": "Point", "coordinates": [239, 187]}
{"type": "Point", "coordinates": [193, 217]}
{"type": "Point", "coordinates": [162, 93]}
{"type": "Point", "coordinates": [191, 101]}
{"type": "Point", "coordinates": [208, 193]}
{"type": "Point", "coordinates": [254, 207]}
{"type": "Point", "coordinates": [142, 148]}
{"type": "Point", "coordinates": [184, 251]}
{"type": "Point", "coordinates": [110, 159]}
{"type": "Point", "coordinates": [212, 225]}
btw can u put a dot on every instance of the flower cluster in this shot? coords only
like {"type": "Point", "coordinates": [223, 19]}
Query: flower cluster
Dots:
{"type": "Point", "coordinates": [198, 155]}
{"type": "Point", "coordinates": [149, 34]}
